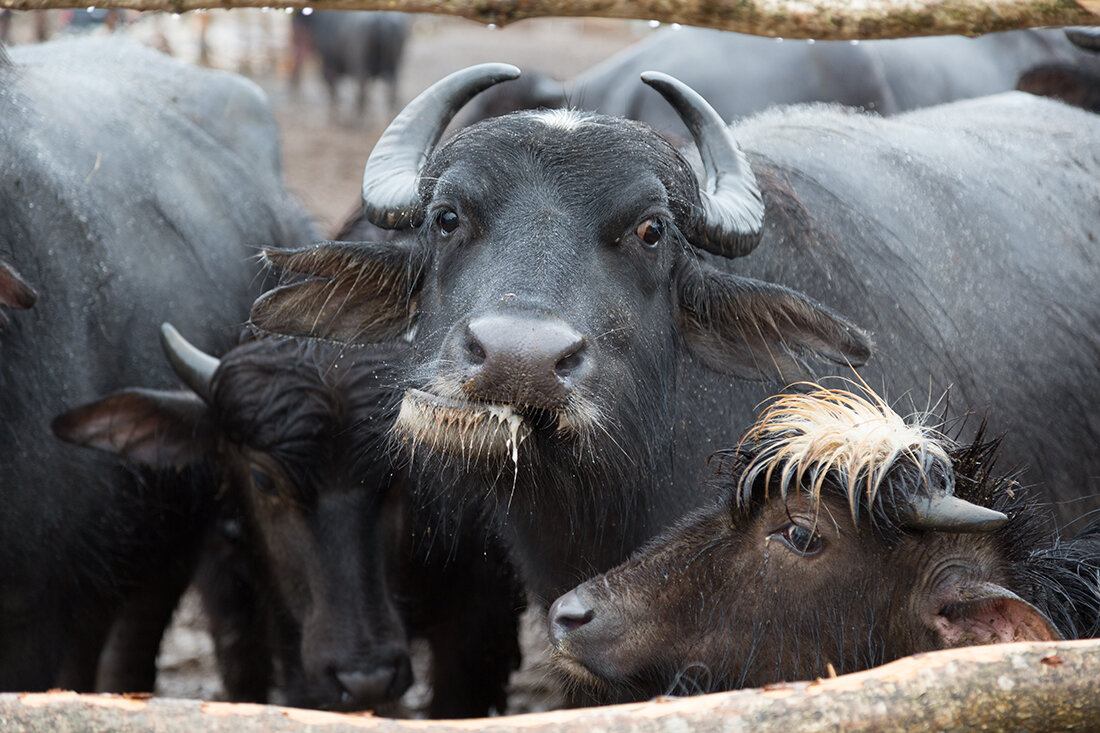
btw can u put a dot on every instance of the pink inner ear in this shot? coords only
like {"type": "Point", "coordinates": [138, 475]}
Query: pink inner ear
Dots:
{"type": "Point", "coordinates": [992, 621]}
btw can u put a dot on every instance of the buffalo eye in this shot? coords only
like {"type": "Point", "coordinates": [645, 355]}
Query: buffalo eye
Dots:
{"type": "Point", "coordinates": [263, 483]}
{"type": "Point", "coordinates": [650, 231]}
{"type": "Point", "coordinates": [448, 222]}
{"type": "Point", "coordinates": [805, 542]}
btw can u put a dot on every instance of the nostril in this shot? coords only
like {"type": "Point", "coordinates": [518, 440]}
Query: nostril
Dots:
{"type": "Point", "coordinates": [568, 613]}
{"type": "Point", "coordinates": [575, 622]}
{"type": "Point", "coordinates": [475, 350]}
{"type": "Point", "coordinates": [569, 364]}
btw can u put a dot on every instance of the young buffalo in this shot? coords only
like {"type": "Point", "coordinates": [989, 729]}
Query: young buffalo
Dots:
{"type": "Point", "coordinates": [291, 437]}
{"type": "Point", "coordinates": [843, 537]}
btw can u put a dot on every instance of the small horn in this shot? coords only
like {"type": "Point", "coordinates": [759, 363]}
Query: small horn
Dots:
{"type": "Point", "coordinates": [733, 210]}
{"type": "Point", "coordinates": [190, 364]}
{"type": "Point", "coordinates": [951, 514]}
{"type": "Point", "coordinates": [390, 197]}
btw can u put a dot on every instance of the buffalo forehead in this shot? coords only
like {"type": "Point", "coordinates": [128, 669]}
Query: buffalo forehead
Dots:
{"type": "Point", "coordinates": [593, 160]}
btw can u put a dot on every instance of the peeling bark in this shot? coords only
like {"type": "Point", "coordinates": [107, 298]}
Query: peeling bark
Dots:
{"type": "Point", "coordinates": [820, 19]}
{"type": "Point", "coordinates": [1037, 686]}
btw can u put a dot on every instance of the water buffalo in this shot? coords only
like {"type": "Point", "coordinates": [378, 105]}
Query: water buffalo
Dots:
{"type": "Point", "coordinates": [590, 318]}
{"type": "Point", "coordinates": [741, 75]}
{"type": "Point", "coordinates": [292, 435]}
{"type": "Point", "coordinates": [841, 537]}
{"type": "Point", "coordinates": [360, 44]}
{"type": "Point", "coordinates": [132, 188]}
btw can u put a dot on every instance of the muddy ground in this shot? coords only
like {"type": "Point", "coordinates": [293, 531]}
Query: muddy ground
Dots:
{"type": "Point", "coordinates": [323, 159]}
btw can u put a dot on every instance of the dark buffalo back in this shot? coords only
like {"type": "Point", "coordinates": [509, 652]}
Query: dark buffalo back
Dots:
{"type": "Point", "coordinates": [133, 189]}
{"type": "Point", "coordinates": [741, 75]}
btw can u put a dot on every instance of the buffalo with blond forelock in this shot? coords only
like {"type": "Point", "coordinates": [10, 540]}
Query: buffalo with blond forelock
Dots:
{"type": "Point", "coordinates": [841, 537]}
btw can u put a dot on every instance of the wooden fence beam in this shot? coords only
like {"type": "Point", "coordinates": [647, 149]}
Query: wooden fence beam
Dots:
{"type": "Point", "coordinates": [819, 19]}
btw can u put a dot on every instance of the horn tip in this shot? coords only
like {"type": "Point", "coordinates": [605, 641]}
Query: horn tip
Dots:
{"type": "Point", "coordinates": [506, 71]}
{"type": "Point", "coordinates": [168, 335]}
{"type": "Point", "coordinates": [492, 72]}
{"type": "Point", "coordinates": [948, 512]}
{"type": "Point", "coordinates": [658, 78]}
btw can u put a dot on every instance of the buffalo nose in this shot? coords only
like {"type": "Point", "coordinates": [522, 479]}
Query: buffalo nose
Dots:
{"type": "Point", "coordinates": [567, 613]}
{"type": "Point", "coordinates": [531, 361]}
{"type": "Point", "coordinates": [385, 682]}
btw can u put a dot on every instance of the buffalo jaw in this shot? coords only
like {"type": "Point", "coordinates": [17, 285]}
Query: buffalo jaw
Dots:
{"type": "Point", "coordinates": [460, 428]}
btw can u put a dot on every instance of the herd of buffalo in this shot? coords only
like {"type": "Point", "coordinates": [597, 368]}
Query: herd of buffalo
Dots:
{"type": "Point", "coordinates": [594, 348]}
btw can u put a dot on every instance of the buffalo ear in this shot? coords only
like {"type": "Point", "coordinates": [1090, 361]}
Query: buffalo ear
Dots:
{"type": "Point", "coordinates": [156, 428]}
{"type": "Point", "coordinates": [15, 292]}
{"type": "Point", "coordinates": [757, 330]}
{"type": "Point", "coordinates": [986, 613]}
{"type": "Point", "coordinates": [353, 292]}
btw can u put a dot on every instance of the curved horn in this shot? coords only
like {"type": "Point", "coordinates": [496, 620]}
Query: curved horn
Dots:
{"type": "Point", "coordinates": [190, 364]}
{"type": "Point", "coordinates": [733, 210]}
{"type": "Point", "coordinates": [390, 198]}
{"type": "Point", "coordinates": [949, 513]}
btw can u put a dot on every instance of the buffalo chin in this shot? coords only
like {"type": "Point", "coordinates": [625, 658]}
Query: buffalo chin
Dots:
{"type": "Point", "coordinates": [470, 430]}
{"type": "Point", "coordinates": [573, 673]}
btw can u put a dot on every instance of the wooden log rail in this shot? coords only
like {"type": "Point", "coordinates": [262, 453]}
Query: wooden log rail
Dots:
{"type": "Point", "coordinates": [819, 19]}
{"type": "Point", "coordinates": [1036, 686]}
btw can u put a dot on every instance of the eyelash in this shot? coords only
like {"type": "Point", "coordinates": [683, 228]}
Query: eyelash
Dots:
{"type": "Point", "coordinates": [808, 542]}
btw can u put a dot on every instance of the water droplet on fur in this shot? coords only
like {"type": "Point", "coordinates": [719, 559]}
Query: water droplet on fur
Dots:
{"type": "Point", "coordinates": [854, 42]}
{"type": "Point", "coordinates": [810, 41]}
{"type": "Point", "coordinates": [675, 26]}
{"type": "Point", "coordinates": [491, 26]}
{"type": "Point", "coordinates": [779, 39]}
{"type": "Point", "coordinates": [307, 10]}
{"type": "Point", "coordinates": [654, 24]}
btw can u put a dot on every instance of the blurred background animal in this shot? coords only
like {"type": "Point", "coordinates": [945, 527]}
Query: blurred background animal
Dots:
{"type": "Point", "coordinates": [363, 46]}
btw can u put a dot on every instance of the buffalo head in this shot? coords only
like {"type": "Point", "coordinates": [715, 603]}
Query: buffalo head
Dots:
{"type": "Point", "coordinates": [551, 270]}
{"type": "Point", "coordinates": [842, 537]}
{"type": "Point", "coordinates": [285, 431]}
{"type": "Point", "coordinates": [553, 273]}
